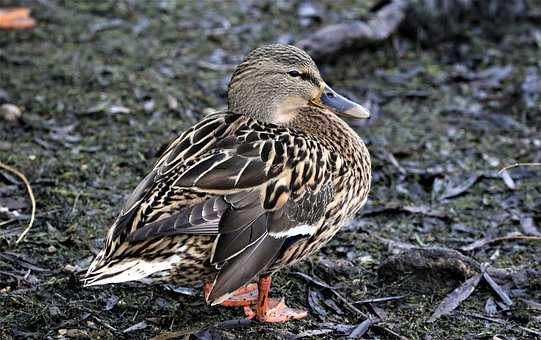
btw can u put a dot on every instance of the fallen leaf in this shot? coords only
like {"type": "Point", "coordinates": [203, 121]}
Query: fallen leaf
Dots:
{"type": "Point", "coordinates": [532, 304]}
{"type": "Point", "coordinates": [339, 327]}
{"type": "Point", "coordinates": [111, 302]}
{"type": "Point", "coordinates": [451, 302]}
{"type": "Point", "coordinates": [314, 300]}
{"type": "Point", "coordinates": [380, 312]}
{"type": "Point", "coordinates": [531, 87]}
{"type": "Point", "coordinates": [136, 327]}
{"type": "Point", "coordinates": [508, 180]}
{"type": "Point", "coordinates": [73, 333]}
{"type": "Point", "coordinates": [181, 290]}
{"type": "Point", "coordinates": [362, 328]}
{"type": "Point", "coordinates": [490, 307]}
{"type": "Point", "coordinates": [313, 333]}
{"type": "Point", "coordinates": [331, 304]}
{"type": "Point", "coordinates": [451, 192]}
{"type": "Point", "coordinates": [528, 227]}
{"type": "Point", "coordinates": [16, 18]}
{"type": "Point", "coordinates": [499, 290]}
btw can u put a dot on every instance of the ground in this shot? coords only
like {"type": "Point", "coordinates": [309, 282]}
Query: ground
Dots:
{"type": "Point", "coordinates": [102, 85]}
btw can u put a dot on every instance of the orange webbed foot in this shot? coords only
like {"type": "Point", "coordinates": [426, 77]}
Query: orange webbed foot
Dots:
{"type": "Point", "coordinates": [244, 296]}
{"type": "Point", "coordinates": [276, 311]}
{"type": "Point", "coordinates": [257, 304]}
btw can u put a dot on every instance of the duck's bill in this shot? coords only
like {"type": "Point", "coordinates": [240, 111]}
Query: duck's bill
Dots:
{"type": "Point", "coordinates": [341, 105]}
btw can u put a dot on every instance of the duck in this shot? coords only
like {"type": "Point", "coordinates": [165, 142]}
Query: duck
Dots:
{"type": "Point", "coordinates": [245, 191]}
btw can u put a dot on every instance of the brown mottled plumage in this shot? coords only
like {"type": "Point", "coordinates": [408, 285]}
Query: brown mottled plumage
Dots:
{"type": "Point", "coordinates": [247, 191]}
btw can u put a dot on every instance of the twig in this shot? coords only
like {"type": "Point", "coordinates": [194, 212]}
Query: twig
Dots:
{"type": "Point", "coordinates": [333, 290]}
{"type": "Point", "coordinates": [390, 331]}
{"type": "Point", "coordinates": [484, 242]}
{"type": "Point", "coordinates": [502, 322]}
{"type": "Point", "coordinates": [25, 217]}
{"type": "Point", "coordinates": [8, 221]}
{"type": "Point", "coordinates": [383, 299]}
{"type": "Point", "coordinates": [517, 165]}
{"type": "Point", "coordinates": [75, 203]}
{"type": "Point", "coordinates": [30, 193]}
{"type": "Point", "coordinates": [482, 317]}
{"type": "Point", "coordinates": [104, 323]}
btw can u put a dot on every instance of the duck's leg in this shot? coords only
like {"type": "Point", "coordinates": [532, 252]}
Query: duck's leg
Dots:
{"type": "Point", "coordinates": [271, 310]}
{"type": "Point", "coordinates": [244, 296]}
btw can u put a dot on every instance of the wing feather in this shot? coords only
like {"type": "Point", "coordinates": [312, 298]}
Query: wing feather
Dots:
{"type": "Point", "coordinates": [245, 266]}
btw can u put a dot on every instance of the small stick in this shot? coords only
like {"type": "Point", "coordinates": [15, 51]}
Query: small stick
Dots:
{"type": "Point", "coordinates": [484, 242]}
{"type": "Point", "coordinates": [383, 299]}
{"type": "Point", "coordinates": [517, 165]}
{"type": "Point", "coordinates": [30, 193]}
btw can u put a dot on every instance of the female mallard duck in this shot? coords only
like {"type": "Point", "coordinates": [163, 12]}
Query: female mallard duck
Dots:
{"type": "Point", "coordinates": [247, 191]}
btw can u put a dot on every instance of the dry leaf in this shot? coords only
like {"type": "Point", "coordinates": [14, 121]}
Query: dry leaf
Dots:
{"type": "Point", "coordinates": [16, 18]}
{"type": "Point", "coordinates": [508, 180]}
{"type": "Point", "coordinates": [362, 328]}
{"type": "Point", "coordinates": [528, 226]}
{"type": "Point", "coordinates": [497, 289]}
{"type": "Point", "coordinates": [454, 299]}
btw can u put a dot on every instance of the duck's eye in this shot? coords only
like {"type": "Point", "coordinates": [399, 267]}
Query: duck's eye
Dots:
{"type": "Point", "coordinates": [294, 73]}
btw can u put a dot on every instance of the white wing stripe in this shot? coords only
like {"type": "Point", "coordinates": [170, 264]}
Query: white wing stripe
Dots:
{"type": "Point", "coordinates": [303, 229]}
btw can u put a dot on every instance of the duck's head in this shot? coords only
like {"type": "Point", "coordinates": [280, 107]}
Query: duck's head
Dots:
{"type": "Point", "coordinates": [274, 81]}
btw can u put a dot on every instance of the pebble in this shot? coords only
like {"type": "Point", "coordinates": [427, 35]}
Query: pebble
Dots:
{"type": "Point", "coordinates": [10, 113]}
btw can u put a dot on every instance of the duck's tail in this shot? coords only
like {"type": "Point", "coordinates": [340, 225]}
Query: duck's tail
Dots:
{"type": "Point", "coordinates": [109, 270]}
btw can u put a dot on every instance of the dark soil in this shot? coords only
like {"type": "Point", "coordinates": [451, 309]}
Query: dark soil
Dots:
{"type": "Point", "coordinates": [102, 85]}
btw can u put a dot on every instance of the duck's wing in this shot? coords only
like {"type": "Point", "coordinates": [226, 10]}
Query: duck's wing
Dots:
{"type": "Point", "coordinates": [157, 201]}
{"type": "Point", "coordinates": [264, 187]}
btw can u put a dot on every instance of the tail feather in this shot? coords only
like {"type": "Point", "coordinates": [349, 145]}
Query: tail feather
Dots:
{"type": "Point", "coordinates": [104, 271]}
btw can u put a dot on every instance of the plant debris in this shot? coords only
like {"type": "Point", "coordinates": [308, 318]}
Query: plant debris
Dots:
{"type": "Point", "coordinates": [30, 193]}
{"type": "Point", "coordinates": [451, 302]}
{"type": "Point", "coordinates": [16, 18]}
